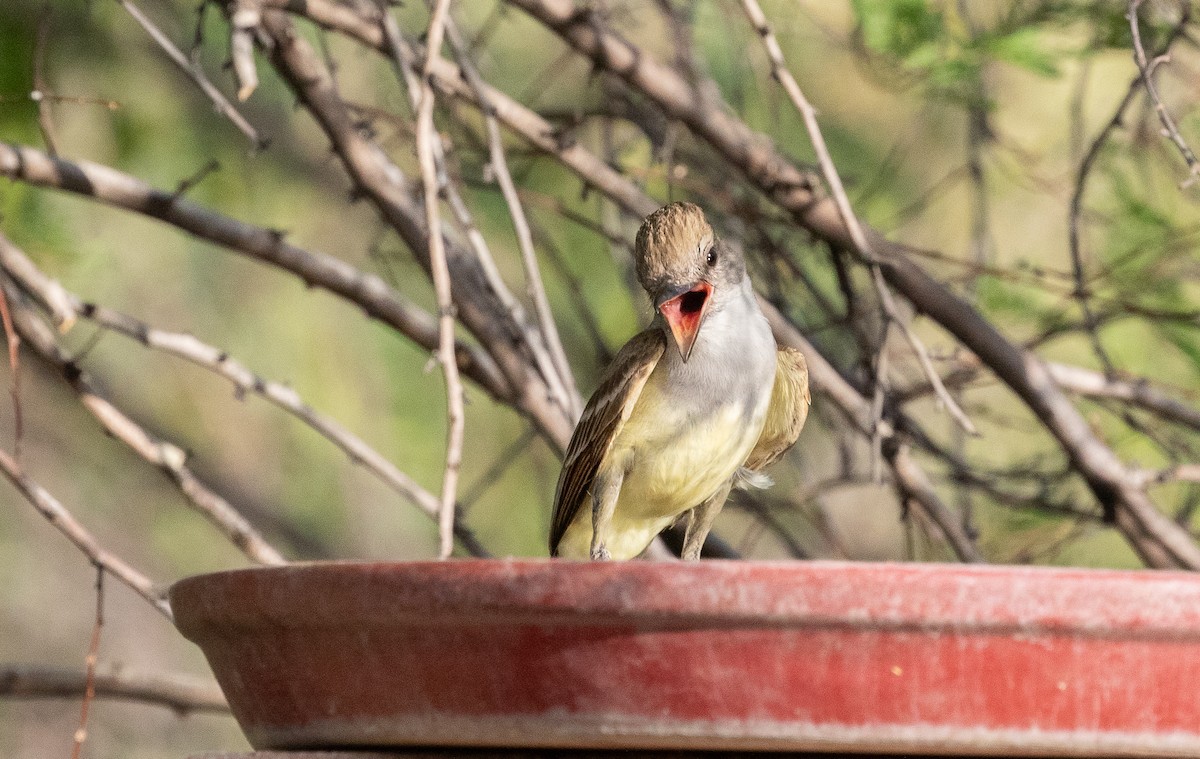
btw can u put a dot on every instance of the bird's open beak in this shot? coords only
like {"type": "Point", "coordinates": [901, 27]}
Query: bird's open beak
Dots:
{"type": "Point", "coordinates": [684, 310]}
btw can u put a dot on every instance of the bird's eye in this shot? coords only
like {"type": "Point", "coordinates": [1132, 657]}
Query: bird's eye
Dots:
{"type": "Point", "coordinates": [712, 256]}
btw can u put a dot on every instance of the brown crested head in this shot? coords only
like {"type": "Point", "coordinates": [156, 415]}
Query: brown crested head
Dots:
{"type": "Point", "coordinates": [676, 246]}
{"type": "Point", "coordinates": [684, 267]}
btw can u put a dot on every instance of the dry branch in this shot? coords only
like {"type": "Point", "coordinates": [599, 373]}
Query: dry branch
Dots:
{"type": "Point", "coordinates": [809, 114]}
{"type": "Point", "coordinates": [381, 181]}
{"type": "Point", "coordinates": [197, 75]}
{"type": "Point", "coordinates": [245, 381]}
{"type": "Point", "coordinates": [65, 522]}
{"type": "Point", "coordinates": [1147, 67]}
{"type": "Point", "coordinates": [499, 166]}
{"type": "Point", "coordinates": [166, 456]}
{"type": "Point", "coordinates": [182, 695]}
{"type": "Point", "coordinates": [89, 676]}
{"type": "Point", "coordinates": [440, 273]}
{"type": "Point", "coordinates": [368, 291]}
{"type": "Point", "coordinates": [413, 72]}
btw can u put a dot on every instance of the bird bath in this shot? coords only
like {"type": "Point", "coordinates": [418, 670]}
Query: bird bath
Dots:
{"type": "Point", "coordinates": [721, 655]}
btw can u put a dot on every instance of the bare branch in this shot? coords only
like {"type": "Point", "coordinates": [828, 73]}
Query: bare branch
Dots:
{"type": "Point", "coordinates": [1082, 292]}
{"type": "Point", "coordinates": [93, 655]}
{"type": "Point", "coordinates": [522, 120]}
{"type": "Point", "coordinates": [62, 519]}
{"type": "Point", "coordinates": [244, 380]}
{"type": "Point", "coordinates": [166, 456]}
{"type": "Point", "coordinates": [368, 291]}
{"type": "Point", "coordinates": [180, 694]}
{"type": "Point", "coordinates": [1147, 69]}
{"type": "Point", "coordinates": [40, 89]}
{"type": "Point", "coordinates": [1094, 384]}
{"type": "Point", "coordinates": [478, 306]}
{"type": "Point", "coordinates": [910, 478]}
{"type": "Point", "coordinates": [14, 364]}
{"type": "Point", "coordinates": [441, 284]}
{"type": "Point", "coordinates": [499, 164]}
{"type": "Point", "coordinates": [243, 20]}
{"type": "Point", "coordinates": [49, 294]}
{"type": "Point", "coordinates": [560, 385]}
{"type": "Point", "coordinates": [1177, 473]}
{"type": "Point", "coordinates": [223, 106]}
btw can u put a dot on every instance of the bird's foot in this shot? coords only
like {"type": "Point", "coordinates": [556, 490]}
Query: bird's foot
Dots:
{"type": "Point", "coordinates": [600, 553]}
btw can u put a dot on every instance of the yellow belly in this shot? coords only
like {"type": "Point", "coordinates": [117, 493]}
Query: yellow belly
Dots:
{"type": "Point", "coordinates": [671, 464]}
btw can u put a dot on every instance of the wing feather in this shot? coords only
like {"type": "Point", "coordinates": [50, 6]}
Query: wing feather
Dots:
{"type": "Point", "coordinates": [790, 400]}
{"type": "Point", "coordinates": [603, 417]}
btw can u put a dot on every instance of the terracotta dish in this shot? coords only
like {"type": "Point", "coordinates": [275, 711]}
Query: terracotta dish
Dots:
{"type": "Point", "coordinates": [865, 658]}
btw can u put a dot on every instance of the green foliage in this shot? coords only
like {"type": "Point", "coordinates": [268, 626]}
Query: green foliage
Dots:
{"type": "Point", "coordinates": [938, 49]}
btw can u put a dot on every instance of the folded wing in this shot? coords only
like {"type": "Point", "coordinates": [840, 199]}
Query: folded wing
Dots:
{"type": "Point", "coordinates": [790, 400]}
{"type": "Point", "coordinates": [602, 419]}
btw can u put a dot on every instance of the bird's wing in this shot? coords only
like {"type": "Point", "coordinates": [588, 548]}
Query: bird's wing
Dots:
{"type": "Point", "coordinates": [602, 419]}
{"type": "Point", "coordinates": [790, 400]}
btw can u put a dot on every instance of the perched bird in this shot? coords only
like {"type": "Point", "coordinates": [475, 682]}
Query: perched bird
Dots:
{"type": "Point", "coordinates": [698, 402]}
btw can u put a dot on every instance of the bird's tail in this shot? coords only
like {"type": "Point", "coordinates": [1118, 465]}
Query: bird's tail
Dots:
{"type": "Point", "coordinates": [744, 479]}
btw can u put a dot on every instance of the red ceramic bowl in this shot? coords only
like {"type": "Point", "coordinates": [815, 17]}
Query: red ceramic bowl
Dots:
{"type": "Point", "coordinates": [886, 658]}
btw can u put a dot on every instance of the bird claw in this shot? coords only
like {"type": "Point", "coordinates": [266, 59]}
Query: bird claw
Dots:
{"type": "Point", "coordinates": [600, 553]}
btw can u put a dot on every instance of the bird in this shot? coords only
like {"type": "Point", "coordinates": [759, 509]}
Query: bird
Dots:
{"type": "Point", "coordinates": [697, 403]}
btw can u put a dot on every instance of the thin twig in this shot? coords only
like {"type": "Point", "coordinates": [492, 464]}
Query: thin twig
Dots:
{"type": "Point", "coordinates": [245, 381]}
{"type": "Point", "coordinates": [1147, 69]}
{"type": "Point", "coordinates": [1178, 473]}
{"type": "Point", "coordinates": [1082, 291]}
{"type": "Point", "coordinates": [1089, 160]}
{"type": "Point", "coordinates": [480, 309]}
{"type": "Point", "coordinates": [879, 388]}
{"type": "Point", "coordinates": [748, 154]}
{"type": "Point", "coordinates": [1158, 541]}
{"type": "Point", "coordinates": [830, 172]}
{"type": "Point", "coordinates": [368, 291]}
{"type": "Point", "coordinates": [93, 655]}
{"type": "Point", "coordinates": [62, 519]}
{"type": "Point", "coordinates": [40, 90]}
{"type": "Point", "coordinates": [441, 283]}
{"type": "Point", "coordinates": [404, 60]}
{"type": "Point", "coordinates": [533, 277]}
{"type": "Point", "coordinates": [504, 461]}
{"type": "Point", "coordinates": [197, 75]}
{"type": "Point", "coordinates": [14, 365]}
{"type": "Point", "coordinates": [187, 183]}
{"type": "Point", "coordinates": [166, 456]}
{"type": "Point", "coordinates": [49, 294]}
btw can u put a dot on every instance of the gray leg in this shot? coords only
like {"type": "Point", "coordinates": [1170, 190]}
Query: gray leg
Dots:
{"type": "Point", "coordinates": [605, 490]}
{"type": "Point", "coordinates": [700, 521]}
